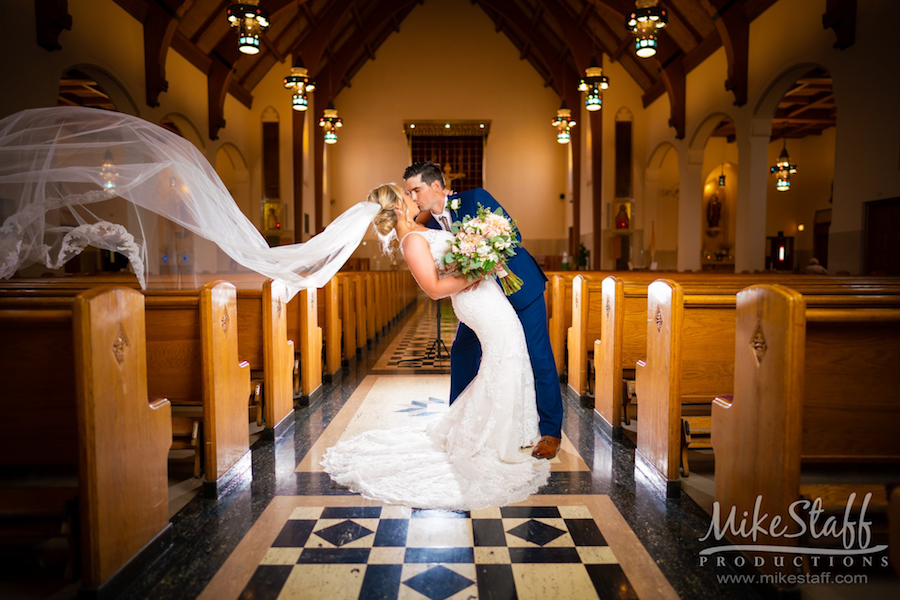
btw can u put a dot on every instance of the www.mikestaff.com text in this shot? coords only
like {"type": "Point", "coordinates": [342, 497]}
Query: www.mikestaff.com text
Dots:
{"type": "Point", "coordinates": [792, 578]}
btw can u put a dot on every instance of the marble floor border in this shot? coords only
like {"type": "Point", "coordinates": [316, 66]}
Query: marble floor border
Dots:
{"type": "Point", "coordinates": [639, 567]}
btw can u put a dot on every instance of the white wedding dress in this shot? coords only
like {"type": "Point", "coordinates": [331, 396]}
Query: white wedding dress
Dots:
{"type": "Point", "coordinates": [470, 457]}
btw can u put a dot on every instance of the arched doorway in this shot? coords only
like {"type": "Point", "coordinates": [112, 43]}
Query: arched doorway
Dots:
{"type": "Point", "coordinates": [798, 211]}
{"type": "Point", "coordinates": [90, 86]}
{"type": "Point", "coordinates": [718, 214]}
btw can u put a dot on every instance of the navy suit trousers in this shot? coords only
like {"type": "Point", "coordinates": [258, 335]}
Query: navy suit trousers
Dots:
{"type": "Point", "coordinates": [465, 357]}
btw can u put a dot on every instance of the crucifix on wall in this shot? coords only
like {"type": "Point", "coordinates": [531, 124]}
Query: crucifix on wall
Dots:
{"type": "Point", "coordinates": [450, 176]}
{"type": "Point", "coordinates": [457, 146]}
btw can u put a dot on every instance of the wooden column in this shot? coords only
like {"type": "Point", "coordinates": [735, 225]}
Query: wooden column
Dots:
{"type": "Point", "coordinates": [576, 192]}
{"type": "Point", "coordinates": [299, 127]}
{"type": "Point", "coordinates": [319, 167]}
{"type": "Point", "coordinates": [596, 121]}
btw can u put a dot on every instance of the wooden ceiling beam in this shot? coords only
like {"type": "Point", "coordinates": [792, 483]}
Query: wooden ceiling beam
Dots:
{"type": "Point", "coordinates": [575, 38]}
{"type": "Point", "coordinates": [840, 16]}
{"type": "Point", "coordinates": [673, 10]}
{"type": "Point", "coordinates": [159, 24]}
{"type": "Point", "coordinates": [733, 24]}
{"type": "Point", "coordinates": [510, 12]}
{"type": "Point", "coordinates": [212, 17]}
{"type": "Point", "coordinates": [218, 81]}
{"type": "Point", "coordinates": [336, 71]}
{"type": "Point", "coordinates": [51, 18]}
{"type": "Point", "coordinates": [312, 48]}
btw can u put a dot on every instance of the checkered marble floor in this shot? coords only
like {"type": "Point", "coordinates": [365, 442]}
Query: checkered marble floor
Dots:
{"type": "Point", "coordinates": [340, 545]}
{"type": "Point", "coordinates": [414, 350]}
{"type": "Point", "coordinates": [397, 552]}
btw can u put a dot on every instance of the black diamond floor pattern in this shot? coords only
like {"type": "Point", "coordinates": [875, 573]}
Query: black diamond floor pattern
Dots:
{"type": "Point", "coordinates": [536, 532]}
{"type": "Point", "coordinates": [344, 533]}
{"type": "Point", "coordinates": [438, 583]}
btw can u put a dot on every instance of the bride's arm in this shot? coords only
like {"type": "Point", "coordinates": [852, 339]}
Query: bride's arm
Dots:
{"type": "Point", "coordinates": [421, 265]}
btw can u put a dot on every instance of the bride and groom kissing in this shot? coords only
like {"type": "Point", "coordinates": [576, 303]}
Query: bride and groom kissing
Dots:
{"type": "Point", "coordinates": [504, 388]}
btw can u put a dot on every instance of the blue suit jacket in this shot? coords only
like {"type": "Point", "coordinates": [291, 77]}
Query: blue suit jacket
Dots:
{"type": "Point", "coordinates": [522, 264]}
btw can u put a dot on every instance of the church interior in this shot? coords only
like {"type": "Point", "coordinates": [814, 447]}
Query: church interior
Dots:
{"type": "Point", "coordinates": [711, 187]}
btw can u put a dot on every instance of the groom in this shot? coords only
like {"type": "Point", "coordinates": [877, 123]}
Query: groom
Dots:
{"type": "Point", "coordinates": [425, 182]}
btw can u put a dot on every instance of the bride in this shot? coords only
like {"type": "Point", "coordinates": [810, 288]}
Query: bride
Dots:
{"type": "Point", "coordinates": [469, 458]}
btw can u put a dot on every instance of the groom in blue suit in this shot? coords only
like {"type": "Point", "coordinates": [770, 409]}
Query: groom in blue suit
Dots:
{"type": "Point", "coordinates": [425, 182]}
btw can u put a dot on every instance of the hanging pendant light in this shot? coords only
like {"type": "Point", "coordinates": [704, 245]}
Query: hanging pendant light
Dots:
{"type": "Point", "coordinates": [783, 170]}
{"type": "Point", "coordinates": [330, 121]}
{"type": "Point", "coordinates": [300, 83]}
{"type": "Point", "coordinates": [646, 19]}
{"type": "Point", "coordinates": [593, 83]}
{"type": "Point", "coordinates": [108, 171]}
{"type": "Point", "coordinates": [722, 176]}
{"type": "Point", "coordinates": [563, 123]}
{"type": "Point", "coordinates": [250, 20]}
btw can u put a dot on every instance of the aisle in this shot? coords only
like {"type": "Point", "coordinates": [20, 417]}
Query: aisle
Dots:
{"type": "Point", "coordinates": [415, 349]}
{"type": "Point", "coordinates": [569, 546]}
{"type": "Point", "coordinates": [285, 530]}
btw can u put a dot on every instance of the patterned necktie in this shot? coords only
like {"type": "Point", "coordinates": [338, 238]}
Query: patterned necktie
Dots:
{"type": "Point", "coordinates": [445, 222]}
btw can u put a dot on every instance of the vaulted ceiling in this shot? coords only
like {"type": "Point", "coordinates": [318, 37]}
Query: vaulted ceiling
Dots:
{"type": "Point", "coordinates": [559, 38]}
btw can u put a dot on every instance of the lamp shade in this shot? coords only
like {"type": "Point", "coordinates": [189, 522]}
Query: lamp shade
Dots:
{"type": "Point", "coordinates": [563, 123]}
{"type": "Point", "coordinates": [300, 84]}
{"type": "Point", "coordinates": [644, 22]}
{"type": "Point", "coordinates": [250, 20]}
{"type": "Point", "coordinates": [330, 122]}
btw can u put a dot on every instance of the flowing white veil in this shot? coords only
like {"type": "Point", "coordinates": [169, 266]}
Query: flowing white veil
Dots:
{"type": "Point", "coordinates": [72, 177]}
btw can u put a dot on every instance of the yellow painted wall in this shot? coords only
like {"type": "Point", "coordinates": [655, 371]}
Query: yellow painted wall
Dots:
{"type": "Point", "coordinates": [447, 62]}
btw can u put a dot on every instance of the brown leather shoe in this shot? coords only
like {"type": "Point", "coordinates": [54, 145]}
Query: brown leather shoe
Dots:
{"type": "Point", "coordinates": [547, 447]}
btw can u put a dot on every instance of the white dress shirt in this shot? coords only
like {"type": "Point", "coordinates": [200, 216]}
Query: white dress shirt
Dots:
{"type": "Point", "coordinates": [445, 219]}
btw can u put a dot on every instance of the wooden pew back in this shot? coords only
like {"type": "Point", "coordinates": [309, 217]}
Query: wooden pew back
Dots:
{"type": "Point", "coordinates": [624, 314]}
{"type": "Point", "coordinates": [118, 439]}
{"type": "Point", "coordinates": [811, 384]}
{"type": "Point", "coordinates": [262, 340]}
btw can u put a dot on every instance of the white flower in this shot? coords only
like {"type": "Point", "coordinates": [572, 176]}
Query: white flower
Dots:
{"type": "Point", "coordinates": [454, 204]}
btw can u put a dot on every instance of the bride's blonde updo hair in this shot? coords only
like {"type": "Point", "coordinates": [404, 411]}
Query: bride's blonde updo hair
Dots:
{"type": "Point", "coordinates": [387, 196]}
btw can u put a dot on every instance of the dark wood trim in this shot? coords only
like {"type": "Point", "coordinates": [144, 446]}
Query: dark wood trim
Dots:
{"type": "Point", "coordinates": [183, 46]}
{"type": "Point", "coordinates": [596, 123]}
{"type": "Point", "coordinates": [240, 93]}
{"type": "Point", "coordinates": [840, 15]}
{"type": "Point", "coordinates": [217, 81]}
{"type": "Point", "coordinates": [160, 23]}
{"type": "Point", "coordinates": [313, 46]}
{"type": "Point", "coordinates": [51, 18]}
{"type": "Point", "coordinates": [674, 77]}
{"type": "Point", "coordinates": [298, 128]}
{"type": "Point", "coordinates": [733, 26]}
{"type": "Point", "coordinates": [318, 161]}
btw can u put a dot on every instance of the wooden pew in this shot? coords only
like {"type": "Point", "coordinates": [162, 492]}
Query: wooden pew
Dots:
{"type": "Point", "coordinates": [586, 325]}
{"type": "Point", "coordinates": [690, 360]}
{"type": "Point", "coordinates": [558, 298]}
{"type": "Point", "coordinates": [74, 370]}
{"type": "Point", "coordinates": [347, 287]}
{"type": "Point", "coordinates": [329, 303]}
{"type": "Point", "coordinates": [690, 353]}
{"type": "Point", "coordinates": [370, 297]}
{"type": "Point", "coordinates": [362, 318]}
{"type": "Point", "coordinates": [262, 339]}
{"type": "Point", "coordinates": [192, 359]}
{"type": "Point", "coordinates": [624, 316]}
{"type": "Point", "coordinates": [310, 346]}
{"type": "Point", "coordinates": [811, 386]}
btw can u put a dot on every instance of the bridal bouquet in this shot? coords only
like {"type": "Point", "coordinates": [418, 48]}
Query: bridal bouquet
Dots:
{"type": "Point", "coordinates": [482, 247]}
